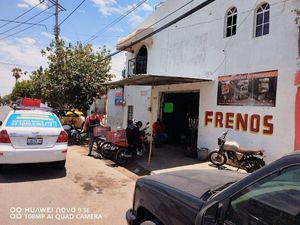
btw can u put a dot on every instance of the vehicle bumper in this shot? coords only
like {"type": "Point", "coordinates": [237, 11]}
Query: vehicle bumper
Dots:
{"type": "Point", "coordinates": [9, 155]}
{"type": "Point", "coordinates": [130, 217]}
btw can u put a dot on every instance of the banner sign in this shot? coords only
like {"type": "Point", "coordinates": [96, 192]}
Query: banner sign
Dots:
{"type": "Point", "coordinates": [119, 98]}
{"type": "Point", "coordinates": [33, 120]}
{"type": "Point", "coordinates": [252, 89]}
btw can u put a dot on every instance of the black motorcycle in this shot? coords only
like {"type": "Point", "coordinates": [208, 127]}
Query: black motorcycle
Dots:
{"type": "Point", "coordinates": [247, 159]}
{"type": "Point", "coordinates": [75, 135]}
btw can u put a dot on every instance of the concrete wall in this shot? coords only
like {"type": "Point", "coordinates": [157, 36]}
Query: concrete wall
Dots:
{"type": "Point", "coordinates": [196, 47]}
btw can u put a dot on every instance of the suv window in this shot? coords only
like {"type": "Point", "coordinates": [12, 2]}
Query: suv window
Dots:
{"type": "Point", "coordinates": [274, 200]}
{"type": "Point", "coordinates": [32, 120]}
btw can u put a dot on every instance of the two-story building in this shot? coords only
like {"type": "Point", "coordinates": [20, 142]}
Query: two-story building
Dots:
{"type": "Point", "coordinates": [215, 65]}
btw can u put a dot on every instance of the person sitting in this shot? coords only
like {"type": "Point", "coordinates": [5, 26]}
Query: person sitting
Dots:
{"type": "Point", "coordinates": [159, 134]}
{"type": "Point", "coordinates": [133, 137]}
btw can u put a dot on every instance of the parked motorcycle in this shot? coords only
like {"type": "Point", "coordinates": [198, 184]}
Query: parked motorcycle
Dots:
{"type": "Point", "coordinates": [247, 159]}
{"type": "Point", "coordinates": [123, 152]}
{"type": "Point", "coordinates": [75, 135]}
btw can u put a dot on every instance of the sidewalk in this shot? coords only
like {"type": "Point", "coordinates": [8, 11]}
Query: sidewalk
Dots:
{"type": "Point", "coordinates": [171, 158]}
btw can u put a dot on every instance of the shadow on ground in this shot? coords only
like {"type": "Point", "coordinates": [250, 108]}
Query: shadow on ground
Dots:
{"type": "Point", "coordinates": [30, 172]}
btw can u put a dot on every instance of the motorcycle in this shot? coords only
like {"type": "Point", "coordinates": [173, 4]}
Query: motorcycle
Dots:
{"type": "Point", "coordinates": [123, 152]}
{"type": "Point", "coordinates": [75, 135]}
{"type": "Point", "coordinates": [247, 159]}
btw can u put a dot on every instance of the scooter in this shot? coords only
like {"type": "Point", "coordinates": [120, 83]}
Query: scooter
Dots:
{"type": "Point", "coordinates": [123, 152]}
{"type": "Point", "coordinates": [247, 159]}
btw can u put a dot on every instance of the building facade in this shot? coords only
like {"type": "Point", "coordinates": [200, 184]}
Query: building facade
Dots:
{"type": "Point", "coordinates": [246, 51]}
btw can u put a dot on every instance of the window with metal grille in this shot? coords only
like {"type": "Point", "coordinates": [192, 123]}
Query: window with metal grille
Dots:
{"type": "Point", "coordinates": [262, 25]}
{"type": "Point", "coordinates": [231, 21]}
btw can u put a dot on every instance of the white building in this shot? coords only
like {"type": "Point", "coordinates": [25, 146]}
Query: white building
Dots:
{"type": "Point", "coordinates": [243, 58]}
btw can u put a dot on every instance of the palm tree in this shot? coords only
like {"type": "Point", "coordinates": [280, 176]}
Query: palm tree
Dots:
{"type": "Point", "coordinates": [17, 72]}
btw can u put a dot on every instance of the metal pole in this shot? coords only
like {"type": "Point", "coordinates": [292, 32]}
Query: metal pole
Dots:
{"type": "Point", "coordinates": [151, 122]}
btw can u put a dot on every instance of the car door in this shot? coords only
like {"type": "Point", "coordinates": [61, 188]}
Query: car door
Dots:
{"type": "Point", "coordinates": [273, 200]}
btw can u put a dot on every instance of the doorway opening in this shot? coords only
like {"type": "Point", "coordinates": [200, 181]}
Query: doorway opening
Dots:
{"type": "Point", "coordinates": [180, 113]}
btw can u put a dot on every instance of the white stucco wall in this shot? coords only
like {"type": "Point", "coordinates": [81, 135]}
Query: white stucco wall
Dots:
{"type": "Point", "coordinates": [196, 47]}
{"type": "Point", "coordinates": [114, 113]}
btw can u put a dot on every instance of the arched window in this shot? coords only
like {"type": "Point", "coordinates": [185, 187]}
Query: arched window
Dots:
{"type": "Point", "coordinates": [231, 20]}
{"type": "Point", "coordinates": [262, 24]}
{"type": "Point", "coordinates": [141, 60]}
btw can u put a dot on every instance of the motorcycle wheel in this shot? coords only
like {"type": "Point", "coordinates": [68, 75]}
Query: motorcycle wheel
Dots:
{"type": "Point", "coordinates": [216, 158]}
{"type": "Point", "coordinates": [254, 164]}
{"type": "Point", "coordinates": [105, 151]}
{"type": "Point", "coordinates": [119, 156]}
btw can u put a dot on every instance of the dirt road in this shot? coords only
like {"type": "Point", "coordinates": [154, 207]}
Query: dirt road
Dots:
{"type": "Point", "coordinates": [89, 191]}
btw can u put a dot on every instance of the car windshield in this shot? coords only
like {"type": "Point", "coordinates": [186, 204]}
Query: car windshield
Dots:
{"type": "Point", "coordinates": [32, 120]}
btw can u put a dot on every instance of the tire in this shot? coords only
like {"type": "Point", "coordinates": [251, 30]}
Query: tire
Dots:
{"type": "Point", "coordinates": [119, 157]}
{"type": "Point", "coordinates": [105, 151]}
{"type": "Point", "coordinates": [60, 164]}
{"type": "Point", "coordinates": [151, 222]}
{"type": "Point", "coordinates": [217, 159]}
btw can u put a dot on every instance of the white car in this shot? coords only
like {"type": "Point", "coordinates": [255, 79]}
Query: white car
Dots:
{"type": "Point", "coordinates": [32, 136]}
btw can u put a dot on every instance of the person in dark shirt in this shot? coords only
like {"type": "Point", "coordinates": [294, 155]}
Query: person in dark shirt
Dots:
{"type": "Point", "coordinates": [132, 134]}
{"type": "Point", "coordinates": [90, 122]}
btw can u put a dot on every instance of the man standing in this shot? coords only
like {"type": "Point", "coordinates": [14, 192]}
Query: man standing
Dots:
{"type": "Point", "coordinates": [89, 124]}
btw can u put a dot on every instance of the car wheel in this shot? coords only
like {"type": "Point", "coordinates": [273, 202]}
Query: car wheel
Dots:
{"type": "Point", "coordinates": [151, 222]}
{"type": "Point", "coordinates": [60, 164]}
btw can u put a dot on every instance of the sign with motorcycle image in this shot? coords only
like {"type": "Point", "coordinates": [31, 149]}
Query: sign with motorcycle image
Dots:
{"type": "Point", "coordinates": [252, 89]}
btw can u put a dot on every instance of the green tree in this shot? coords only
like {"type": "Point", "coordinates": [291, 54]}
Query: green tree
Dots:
{"type": "Point", "coordinates": [17, 72]}
{"type": "Point", "coordinates": [22, 89]}
{"type": "Point", "coordinates": [75, 75]}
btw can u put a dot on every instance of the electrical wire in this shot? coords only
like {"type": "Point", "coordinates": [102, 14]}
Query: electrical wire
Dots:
{"type": "Point", "coordinates": [18, 65]}
{"type": "Point", "coordinates": [93, 37]}
{"type": "Point", "coordinates": [71, 13]}
{"type": "Point", "coordinates": [4, 32]}
{"type": "Point", "coordinates": [41, 2]}
{"type": "Point", "coordinates": [26, 28]}
{"type": "Point", "coordinates": [13, 21]}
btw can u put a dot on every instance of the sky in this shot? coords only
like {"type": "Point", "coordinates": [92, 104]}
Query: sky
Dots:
{"type": "Point", "coordinates": [90, 21]}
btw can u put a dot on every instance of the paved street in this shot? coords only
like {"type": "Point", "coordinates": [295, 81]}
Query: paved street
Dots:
{"type": "Point", "coordinates": [90, 190]}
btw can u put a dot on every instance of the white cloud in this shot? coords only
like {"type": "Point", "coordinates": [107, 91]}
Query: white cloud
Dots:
{"type": "Point", "coordinates": [51, 36]}
{"type": "Point", "coordinates": [135, 19]}
{"type": "Point", "coordinates": [21, 51]}
{"type": "Point", "coordinates": [147, 7]}
{"type": "Point", "coordinates": [116, 29]}
{"type": "Point", "coordinates": [31, 3]}
{"type": "Point", "coordinates": [107, 7]}
{"type": "Point", "coordinates": [22, 5]}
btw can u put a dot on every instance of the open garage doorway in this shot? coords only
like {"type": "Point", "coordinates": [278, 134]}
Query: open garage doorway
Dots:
{"type": "Point", "coordinates": [180, 113]}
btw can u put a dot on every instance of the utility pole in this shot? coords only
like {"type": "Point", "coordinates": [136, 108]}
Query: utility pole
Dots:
{"type": "Point", "coordinates": [56, 28]}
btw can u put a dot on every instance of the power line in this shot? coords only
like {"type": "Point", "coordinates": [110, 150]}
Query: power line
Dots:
{"type": "Point", "coordinates": [71, 13]}
{"type": "Point", "coordinates": [18, 65]}
{"type": "Point", "coordinates": [4, 32]}
{"type": "Point", "coordinates": [93, 37]}
{"type": "Point", "coordinates": [23, 13]}
{"type": "Point", "coordinates": [20, 22]}
{"type": "Point", "coordinates": [202, 5]}
{"type": "Point", "coordinates": [25, 28]}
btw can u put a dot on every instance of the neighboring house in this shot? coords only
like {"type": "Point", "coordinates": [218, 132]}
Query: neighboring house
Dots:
{"type": "Point", "coordinates": [229, 65]}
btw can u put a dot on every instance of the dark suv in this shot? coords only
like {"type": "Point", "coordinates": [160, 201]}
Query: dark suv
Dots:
{"type": "Point", "coordinates": [270, 195]}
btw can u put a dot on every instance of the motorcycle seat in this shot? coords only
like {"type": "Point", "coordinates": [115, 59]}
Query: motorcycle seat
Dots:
{"type": "Point", "coordinates": [246, 151]}
{"type": "Point", "coordinates": [120, 144]}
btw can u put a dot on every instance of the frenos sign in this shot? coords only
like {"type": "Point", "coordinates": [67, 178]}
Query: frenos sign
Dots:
{"type": "Point", "coordinates": [241, 122]}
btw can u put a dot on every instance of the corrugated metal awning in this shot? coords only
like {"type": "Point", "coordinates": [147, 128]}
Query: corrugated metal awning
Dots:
{"type": "Point", "coordinates": [156, 80]}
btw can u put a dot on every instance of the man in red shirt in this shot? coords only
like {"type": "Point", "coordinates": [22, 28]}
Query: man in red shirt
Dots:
{"type": "Point", "coordinates": [159, 135]}
{"type": "Point", "coordinates": [90, 122]}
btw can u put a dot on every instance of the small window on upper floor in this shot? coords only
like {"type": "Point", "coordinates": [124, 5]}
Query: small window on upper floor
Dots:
{"type": "Point", "coordinates": [231, 20]}
{"type": "Point", "coordinates": [262, 25]}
